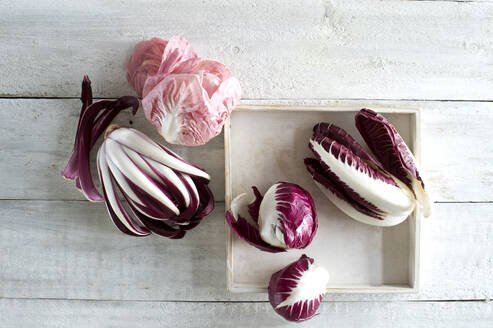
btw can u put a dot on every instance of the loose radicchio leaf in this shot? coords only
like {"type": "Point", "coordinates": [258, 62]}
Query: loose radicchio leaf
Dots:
{"type": "Point", "coordinates": [354, 181]}
{"type": "Point", "coordinates": [391, 150]}
{"type": "Point", "coordinates": [295, 292]}
{"type": "Point", "coordinates": [92, 119]}
{"type": "Point", "coordinates": [287, 216]}
{"type": "Point", "coordinates": [242, 217]}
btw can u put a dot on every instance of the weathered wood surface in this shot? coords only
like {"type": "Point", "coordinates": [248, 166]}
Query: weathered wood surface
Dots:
{"type": "Point", "coordinates": [69, 249]}
{"type": "Point", "coordinates": [60, 258]}
{"type": "Point", "coordinates": [278, 49]}
{"type": "Point", "coordinates": [456, 153]}
{"type": "Point", "coordinates": [62, 313]}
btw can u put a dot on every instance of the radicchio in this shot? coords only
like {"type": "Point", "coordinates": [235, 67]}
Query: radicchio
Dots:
{"type": "Point", "coordinates": [296, 291]}
{"type": "Point", "coordinates": [378, 193]}
{"type": "Point", "coordinates": [284, 218]}
{"type": "Point", "coordinates": [164, 194]}
{"type": "Point", "coordinates": [186, 98]}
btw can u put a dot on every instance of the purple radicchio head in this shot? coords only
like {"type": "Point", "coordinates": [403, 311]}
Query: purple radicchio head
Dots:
{"type": "Point", "coordinates": [295, 292]}
{"type": "Point", "coordinates": [284, 218]}
{"type": "Point", "coordinates": [146, 187]}
{"type": "Point", "coordinates": [377, 193]}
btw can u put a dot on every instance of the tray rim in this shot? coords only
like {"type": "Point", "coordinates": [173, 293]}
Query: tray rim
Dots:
{"type": "Point", "coordinates": [414, 279]}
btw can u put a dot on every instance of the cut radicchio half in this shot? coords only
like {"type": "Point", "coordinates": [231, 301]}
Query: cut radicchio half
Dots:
{"type": "Point", "coordinates": [296, 291]}
{"type": "Point", "coordinates": [391, 150]}
{"type": "Point", "coordinates": [354, 181]}
{"type": "Point", "coordinates": [284, 218]}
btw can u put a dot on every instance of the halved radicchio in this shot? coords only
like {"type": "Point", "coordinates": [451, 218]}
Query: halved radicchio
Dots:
{"type": "Point", "coordinates": [284, 218]}
{"type": "Point", "coordinates": [369, 191]}
{"type": "Point", "coordinates": [295, 292]}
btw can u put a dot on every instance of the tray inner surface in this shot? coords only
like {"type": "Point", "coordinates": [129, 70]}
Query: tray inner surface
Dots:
{"type": "Point", "coordinates": [269, 146]}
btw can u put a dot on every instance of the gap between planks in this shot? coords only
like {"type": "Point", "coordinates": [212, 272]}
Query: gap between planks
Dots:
{"type": "Point", "coordinates": [284, 99]}
{"type": "Point", "coordinates": [230, 301]}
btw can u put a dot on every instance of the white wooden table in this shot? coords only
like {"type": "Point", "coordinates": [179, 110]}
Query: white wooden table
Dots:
{"type": "Point", "coordinates": [62, 264]}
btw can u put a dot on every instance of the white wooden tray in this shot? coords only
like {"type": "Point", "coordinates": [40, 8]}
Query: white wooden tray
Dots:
{"type": "Point", "coordinates": [267, 143]}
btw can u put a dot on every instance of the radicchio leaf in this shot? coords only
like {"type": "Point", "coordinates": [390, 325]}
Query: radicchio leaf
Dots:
{"type": "Point", "coordinates": [242, 217]}
{"type": "Point", "coordinates": [295, 292]}
{"type": "Point", "coordinates": [391, 150]}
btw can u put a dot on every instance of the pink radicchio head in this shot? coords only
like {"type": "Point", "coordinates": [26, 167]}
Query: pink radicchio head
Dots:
{"type": "Point", "coordinates": [391, 150]}
{"type": "Point", "coordinates": [187, 98]}
{"type": "Point", "coordinates": [163, 193]}
{"type": "Point", "coordinates": [285, 218]}
{"type": "Point", "coordinates": [296, 291]}
{"type": "Point", "coordinates": [190, 105]}
{"type": "Point", "coordinates": [155, 56]}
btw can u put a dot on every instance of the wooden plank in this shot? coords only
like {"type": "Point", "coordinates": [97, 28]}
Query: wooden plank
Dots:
{"type": "Point", "coordinates": [35, 151]}
{"type": "Point", "coordinates": [36, 140]}
{"type": "Point", "coordinates": [17, 313]}
{"type": "Point", "coordinates": [68, 249]}
{"type": "Point", "coordinates": [278, 49]}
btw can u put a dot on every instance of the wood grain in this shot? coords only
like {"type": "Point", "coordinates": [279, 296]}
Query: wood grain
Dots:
{"type": "Point", "coordinates": [278, 49]}
{"type": "Point", "coordinates": [456, 154]}
{"type": "Point", "coordinates": [54, 313]}
{"type": "Point", "coordinates": [68, 249]}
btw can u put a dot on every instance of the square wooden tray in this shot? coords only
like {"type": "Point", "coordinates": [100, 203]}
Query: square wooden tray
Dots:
{"type": "Point", "coordinates": [267, 143]}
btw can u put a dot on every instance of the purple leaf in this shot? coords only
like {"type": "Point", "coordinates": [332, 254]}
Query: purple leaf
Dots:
{"type": "Point", "coordinates": [243, 221]}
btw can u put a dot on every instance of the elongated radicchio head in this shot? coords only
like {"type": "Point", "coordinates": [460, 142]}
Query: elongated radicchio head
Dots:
{"type": "Point", "coordinates": [296, 291]}
{"type": "Point", "coordinates": [391, 150]}
{"type": "Point", "coordinates": [354, 181]}
{"type": "Point", "coordinates": [163, 193]}
{"type": "Point", "coordinates": [285, 218]}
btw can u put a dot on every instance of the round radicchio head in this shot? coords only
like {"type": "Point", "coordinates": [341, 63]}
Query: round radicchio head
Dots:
{"type": "Point", "coordinates": [287, 216]}
{"type": "Point", "coordinates": [185, 97]}
{"type": "Point", "coordinates": [295, 292]}
{"type": "Point", "coordinates": [284, 218]}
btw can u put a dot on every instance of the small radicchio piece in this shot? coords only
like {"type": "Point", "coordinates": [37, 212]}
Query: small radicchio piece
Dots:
{"type": "Point", "coordinates": [391, 150]}
{"type": "Point", "coordinates": [285, 218]}
{"type": "Point", "coordinates": [296, 291]}
{"type": "Point", "coordinates": [354, 181]}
